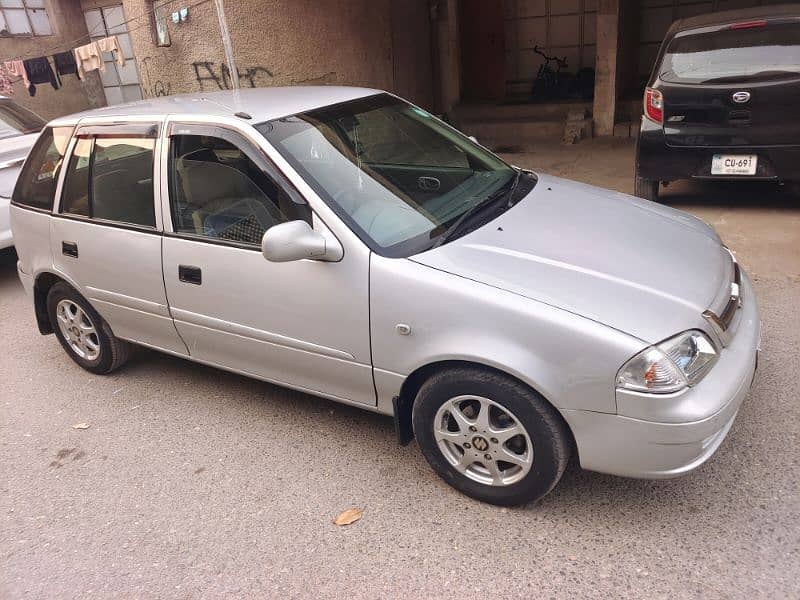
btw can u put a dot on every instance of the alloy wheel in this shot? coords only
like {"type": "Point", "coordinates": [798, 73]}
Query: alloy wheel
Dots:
{"type": "Point", "coordinates": [483, 440]}
{"type": "Point", "coordinates": [78, 330]}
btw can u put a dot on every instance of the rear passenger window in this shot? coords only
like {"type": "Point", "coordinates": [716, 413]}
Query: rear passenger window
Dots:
{"type": "Point", "coordinates": [111, 178]}
{"type": "Point", "coordinates": [75, 197]}
{"type": "Point", "coordinates": [36, 184]}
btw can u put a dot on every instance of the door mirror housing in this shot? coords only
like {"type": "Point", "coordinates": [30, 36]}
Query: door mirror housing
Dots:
{"type": "Point", "coordinates": [295, 240]}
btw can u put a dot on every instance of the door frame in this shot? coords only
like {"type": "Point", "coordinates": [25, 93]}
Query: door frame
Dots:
{"type": "Point", "coordinates": [325, 221]}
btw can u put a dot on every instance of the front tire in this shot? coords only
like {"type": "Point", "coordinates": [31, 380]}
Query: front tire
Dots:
{"type": "Point", "coordinates": [490, 436]}
{"type": "Point", "coordinates": [83, 333]}
{"type": "Point", "coordinates": [646, 188]}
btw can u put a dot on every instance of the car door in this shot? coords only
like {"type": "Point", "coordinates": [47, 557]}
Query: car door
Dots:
{"type": "Point", "coordinates": [106, 233]}
{"type": "Point", "coordinates": [305, 323]}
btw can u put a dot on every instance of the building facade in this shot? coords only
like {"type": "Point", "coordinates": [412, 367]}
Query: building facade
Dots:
{"type": "Point", "coordinates": [442, 54]}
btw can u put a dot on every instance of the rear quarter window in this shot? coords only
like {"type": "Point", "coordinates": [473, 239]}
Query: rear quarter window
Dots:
{"type": "Point", "coordinates": [763, 53]}
{"type": "Point", "coordinates": [36, 185]}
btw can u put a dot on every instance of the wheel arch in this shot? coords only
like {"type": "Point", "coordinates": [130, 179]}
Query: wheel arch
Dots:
{"type": "Point", "coordinates": [403, 403]}
{"type": "Point", "coordinates": [41, 287]}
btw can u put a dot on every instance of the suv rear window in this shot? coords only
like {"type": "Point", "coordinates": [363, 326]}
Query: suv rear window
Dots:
{"type": "Point", "coordinates": [37, 181]}
{"type": "Point", "coordinates": [762, 53]}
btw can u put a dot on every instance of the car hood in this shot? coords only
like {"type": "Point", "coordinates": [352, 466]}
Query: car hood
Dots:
{"type": "Point", "coordinates": [12, 154]}
{"type": "Point", "coordinates": [636, 266]}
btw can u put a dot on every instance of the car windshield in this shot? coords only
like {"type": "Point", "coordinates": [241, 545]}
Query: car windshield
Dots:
{"type": "Point", "coordinates": [396, 175]}
{"type": "Point", "coordinates": [15, 120]}
{"type": "Point", "coordinates": [758, 53]}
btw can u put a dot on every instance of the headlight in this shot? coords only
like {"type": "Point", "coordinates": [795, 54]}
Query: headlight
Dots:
{"type": "Point", "coordinates": [674, 364]}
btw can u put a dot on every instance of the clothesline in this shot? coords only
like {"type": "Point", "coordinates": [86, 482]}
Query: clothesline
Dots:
{"type": "Point", "coordinates": [78, 62]}
{"type": "Point", "coordinates": [67, 46]}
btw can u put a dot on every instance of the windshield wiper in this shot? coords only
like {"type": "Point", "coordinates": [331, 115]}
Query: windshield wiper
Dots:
{"type": "Point", "coordinates": [479, 207]}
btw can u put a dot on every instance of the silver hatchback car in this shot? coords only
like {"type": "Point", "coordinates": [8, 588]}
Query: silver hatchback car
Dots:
{"type": "Point", "coordinates": [346, 243]}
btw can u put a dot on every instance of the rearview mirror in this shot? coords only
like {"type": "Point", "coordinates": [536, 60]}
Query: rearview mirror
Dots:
{"type": "Point", "coordinates": [295, 240]}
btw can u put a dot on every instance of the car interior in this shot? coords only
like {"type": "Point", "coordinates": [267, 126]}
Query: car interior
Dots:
{"type": "Point", "coordinates": [219, 192]}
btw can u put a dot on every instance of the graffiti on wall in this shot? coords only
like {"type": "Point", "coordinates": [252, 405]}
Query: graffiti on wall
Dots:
{"type": "Point", "coordinates": [209, 76]}
{"type": "Point", "coordinates": [212, 75]}
{"type": "Point", "coordinates": [157, 87]}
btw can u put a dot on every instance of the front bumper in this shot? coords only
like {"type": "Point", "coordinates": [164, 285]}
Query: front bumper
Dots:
{"type": "Point", "coordinates": [657, 161]}
{"type": "Point", "coordinates": [634, 447]}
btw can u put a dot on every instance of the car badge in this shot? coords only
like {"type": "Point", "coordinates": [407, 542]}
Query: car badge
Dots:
{"type": "Point", "coordinates": [741, 97]}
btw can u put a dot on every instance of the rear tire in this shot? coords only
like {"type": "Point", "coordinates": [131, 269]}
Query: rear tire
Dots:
{"type": "Point", "coordinates": [83, 333]}
{"type": "Point", "coordinates": [646, 188]}
{"type": "Point", "coordinates": [490, 436]}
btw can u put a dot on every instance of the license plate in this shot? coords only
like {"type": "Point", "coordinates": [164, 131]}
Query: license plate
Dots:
{"type": "Point", "coordinates": [734, 164]}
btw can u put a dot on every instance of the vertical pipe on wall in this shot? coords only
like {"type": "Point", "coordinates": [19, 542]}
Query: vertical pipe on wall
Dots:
{"type": "Point", "coordinates": [226, 43]}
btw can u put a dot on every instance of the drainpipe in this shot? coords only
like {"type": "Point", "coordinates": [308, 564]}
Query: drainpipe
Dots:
{"type": "Point", "coordinates": [226, 43]}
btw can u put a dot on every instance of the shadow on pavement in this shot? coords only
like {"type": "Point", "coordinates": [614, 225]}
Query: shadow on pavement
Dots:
{"type": "Point", "coordinates": [733, 194]}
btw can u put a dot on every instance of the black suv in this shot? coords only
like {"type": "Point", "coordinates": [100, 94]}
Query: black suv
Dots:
{"type": "Point", "coordinates": [723, 101]}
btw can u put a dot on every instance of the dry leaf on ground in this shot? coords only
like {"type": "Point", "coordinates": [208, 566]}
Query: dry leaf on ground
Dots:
{"type": "Point", "coordinates": [351, 515]}
{"type": "Point", "coordinates": [81, 426]}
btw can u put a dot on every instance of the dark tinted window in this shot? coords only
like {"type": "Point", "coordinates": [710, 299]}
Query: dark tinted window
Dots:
{"type": "Point", "coordinates": [75, 197]}
{"type": "Point", "coordinates": [111, 179]}
{"type": "Point", "coordinates": [122, 180]}
{"type": "Point", "coordinates": [770, 52]}
{"type": "Point", "coordinates": [37, 181]}
{"type": "Point", "coordinates": [219, 192]}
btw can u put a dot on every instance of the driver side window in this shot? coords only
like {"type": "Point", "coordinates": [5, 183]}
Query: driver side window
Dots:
{"type": "Point", "coordinates": [217, 191]}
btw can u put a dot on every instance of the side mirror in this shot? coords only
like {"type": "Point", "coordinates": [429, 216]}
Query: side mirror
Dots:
{"type": "Point", "coordinates": [295, 240]}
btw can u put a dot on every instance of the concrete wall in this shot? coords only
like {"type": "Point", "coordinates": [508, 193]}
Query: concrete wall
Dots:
{"type": "Point", "coordinates": [68, 25]}
{"type": "Point", "coordinates": [287, 42]}
{"type": "Point", "coordinates": [373, 43]}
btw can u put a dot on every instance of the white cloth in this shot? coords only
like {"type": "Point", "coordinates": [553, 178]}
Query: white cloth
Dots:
{"type": "Point", "coordinates": [111, 44]}
{"type": "Point", "coordinates": [89, 58]}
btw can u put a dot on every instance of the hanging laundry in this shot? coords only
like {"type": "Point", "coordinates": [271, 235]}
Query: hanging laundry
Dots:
{"type": "Point", "coordinates": [111, 44]}
{"type": "Point", "coordinates": [65, 64]}
{"type": "Point", "coordinates": [88, 58]}
{"type": "Point", "coordinates": [6, 88]}
{"type": "Point", "coordinates": [39, 71]}
{"type": "Point", "coordinates": [16, 68]}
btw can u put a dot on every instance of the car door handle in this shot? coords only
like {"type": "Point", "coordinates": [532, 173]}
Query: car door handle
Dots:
{"type": "Point", "coordinates": [69, 249]}
{"type": "Point", "coordinates": [190, 274]}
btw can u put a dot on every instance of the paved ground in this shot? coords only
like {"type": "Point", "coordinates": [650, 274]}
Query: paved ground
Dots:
{"type": "Point", "coordinates": [191, 482]}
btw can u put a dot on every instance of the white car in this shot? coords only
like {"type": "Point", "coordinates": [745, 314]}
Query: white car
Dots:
{"type": "Point", "coordinates": [19, 129]}
{"type": "Point", "coordinates": [346, 243]}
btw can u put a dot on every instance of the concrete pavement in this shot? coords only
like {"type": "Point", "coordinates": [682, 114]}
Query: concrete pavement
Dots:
{"type": "Point", "coordinates": [195, 483]}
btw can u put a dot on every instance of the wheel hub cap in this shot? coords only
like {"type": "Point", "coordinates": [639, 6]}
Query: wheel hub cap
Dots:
{"type": "Point", "coordinates": [483, 440]}
{"type": "Point", "coordinates": [78, 330]}
{"type": "Point", "coordinates": [480, 443]}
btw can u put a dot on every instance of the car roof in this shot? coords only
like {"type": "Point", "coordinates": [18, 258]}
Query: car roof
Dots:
{"type": "Point", "coordinates": [725, 17]}
{"type": "Point", "coordinates": [262, 104]}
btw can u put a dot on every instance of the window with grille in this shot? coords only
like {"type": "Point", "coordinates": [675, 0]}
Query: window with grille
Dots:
{"type": "Point", "coordinates": [120, 84]}
{"type": "Point", "coordinates": [24, 17]}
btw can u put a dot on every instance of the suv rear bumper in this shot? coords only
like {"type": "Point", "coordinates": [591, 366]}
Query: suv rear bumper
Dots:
{"type": "Point", "coordinates": [657, 161]}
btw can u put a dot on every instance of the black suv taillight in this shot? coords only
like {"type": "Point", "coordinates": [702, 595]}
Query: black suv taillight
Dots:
{"type": "Point", "coordinates": [654, 105]}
